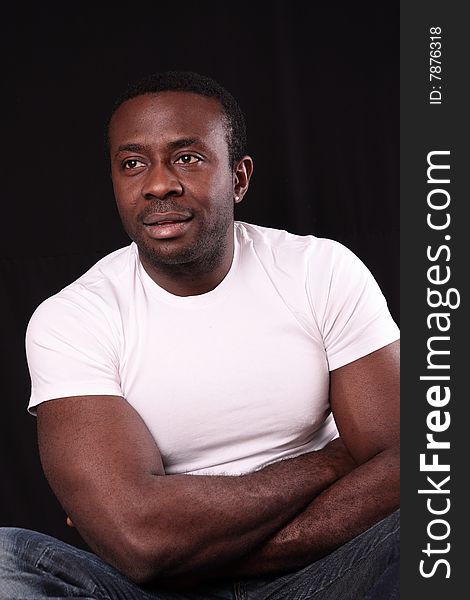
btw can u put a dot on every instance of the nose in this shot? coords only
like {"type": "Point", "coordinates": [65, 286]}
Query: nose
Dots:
{"type": "Point", "coordinates": [161, 182]}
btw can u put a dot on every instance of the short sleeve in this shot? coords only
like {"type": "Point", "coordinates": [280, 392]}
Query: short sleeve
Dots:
{"type": "Point", "coordinates": [350, 308]}
{"type": "Point", "coordinates": [71, 351]}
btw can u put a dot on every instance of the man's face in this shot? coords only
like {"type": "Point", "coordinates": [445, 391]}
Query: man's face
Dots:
{"type": "Point", "coordinates": [172, 178]}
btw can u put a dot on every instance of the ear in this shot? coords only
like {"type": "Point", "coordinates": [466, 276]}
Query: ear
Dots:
{"type": "Point", "coordinates": [241, 178]}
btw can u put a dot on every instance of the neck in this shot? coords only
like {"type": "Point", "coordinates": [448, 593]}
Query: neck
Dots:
{"type": "Point", "coordinates": [192, 278]}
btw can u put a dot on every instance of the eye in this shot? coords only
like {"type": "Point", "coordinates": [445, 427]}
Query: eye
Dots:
{"type": "Point", "coordinates": [132, 163]}
{"type": "Point", "coordinates": [187, 159]}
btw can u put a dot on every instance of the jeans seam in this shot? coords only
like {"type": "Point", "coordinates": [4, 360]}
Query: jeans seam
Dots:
{"type": "Point", "coordinates": [37, 564]}
{"type": "Point", "coordinates": [299, 586]}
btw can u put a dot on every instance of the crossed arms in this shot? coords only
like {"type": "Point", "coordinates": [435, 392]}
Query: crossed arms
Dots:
{"type": "Point", "coordinates": [107, 472]}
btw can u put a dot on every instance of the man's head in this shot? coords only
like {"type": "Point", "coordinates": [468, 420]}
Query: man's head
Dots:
{"type": "Point", "coordinates": [174, 177]}
{"type": "Point", "coordinates": [187, 81]}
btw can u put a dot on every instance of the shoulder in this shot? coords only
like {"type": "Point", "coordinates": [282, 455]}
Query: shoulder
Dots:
{"type": "Point", "coordinates": [305, 270]}
{"type": "Point", "coordinates": [95, 294]}
{"type": "Point", "coordinates": [107, 274]}
{"type": "Point", "coordinates": [307, 252]}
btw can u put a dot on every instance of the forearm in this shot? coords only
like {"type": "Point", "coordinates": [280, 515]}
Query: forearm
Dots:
{"type": "Point", "coordinates": [347, 508]}
{"type": "Point", "coordinates": [185, 524]}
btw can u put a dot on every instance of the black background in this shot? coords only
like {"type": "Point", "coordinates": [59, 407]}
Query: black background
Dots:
{"type": "Point", "coordinates": [320, 90]}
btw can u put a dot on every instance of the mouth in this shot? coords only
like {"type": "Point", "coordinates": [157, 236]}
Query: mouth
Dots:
{"type": "Point", "coordinates": [167, 225]}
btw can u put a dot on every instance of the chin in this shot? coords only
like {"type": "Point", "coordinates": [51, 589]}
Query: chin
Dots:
{"type": "Point", "coordinates": [203, 248]}
{"type": "Point", "coordinates": [166, 255]}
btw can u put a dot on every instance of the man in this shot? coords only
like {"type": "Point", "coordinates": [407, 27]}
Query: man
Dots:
{"type": "Point", "coordinates": [190, 388]}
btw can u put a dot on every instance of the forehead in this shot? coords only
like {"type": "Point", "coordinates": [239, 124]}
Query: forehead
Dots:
{"type": "Point", "coordinates": [165, 116]}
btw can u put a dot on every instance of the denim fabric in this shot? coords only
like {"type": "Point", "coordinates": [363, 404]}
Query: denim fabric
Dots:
{"type": "Point", "coordinates": [34, 566]}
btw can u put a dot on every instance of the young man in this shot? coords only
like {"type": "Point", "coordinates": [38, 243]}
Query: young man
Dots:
{"type": "Point", "coordinates": [190, 388]}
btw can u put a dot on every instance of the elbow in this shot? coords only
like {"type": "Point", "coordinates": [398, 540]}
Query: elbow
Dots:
{"type": "Point", "coordinates": [137, 572]}
{"type": "Point", "coordinates": [143, 555]}
{"type": "Point", "coordinates": [152, 552]}
{"type": "Point", "coordinates": [136, 560]}
{"type": "Point", "coordinates": [140, 553]}
{"type": "Point", "coordinates": [143, 545]}
{"type": "Point", "coordinates": [139, 568]}
{"type": "Point", "coordinates": [383, 450]}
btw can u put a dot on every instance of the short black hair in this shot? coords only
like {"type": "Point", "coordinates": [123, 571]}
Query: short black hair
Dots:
{"type": "Point", "coordinates": [188, 81]}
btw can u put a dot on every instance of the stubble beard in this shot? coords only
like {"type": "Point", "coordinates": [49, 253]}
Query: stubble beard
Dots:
{"type": "Point", "coordinates": [203, 256]}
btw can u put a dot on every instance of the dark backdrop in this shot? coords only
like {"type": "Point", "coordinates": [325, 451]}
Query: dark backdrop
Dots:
{"type": "Point", "coordinates": [320, 91]}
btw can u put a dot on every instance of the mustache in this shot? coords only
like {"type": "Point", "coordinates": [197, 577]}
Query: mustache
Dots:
{"type": "Point", "coordinates": [165, 206]}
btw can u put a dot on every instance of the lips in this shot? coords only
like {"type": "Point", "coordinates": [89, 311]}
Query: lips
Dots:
{"type": "Point", "coordinates": [167, 217]}
{"type": "Point", "coordinates": [167, 225]}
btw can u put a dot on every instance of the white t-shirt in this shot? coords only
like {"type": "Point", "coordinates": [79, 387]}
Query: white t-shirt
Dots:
{"type": "Point", "coordinates": [228, 381]}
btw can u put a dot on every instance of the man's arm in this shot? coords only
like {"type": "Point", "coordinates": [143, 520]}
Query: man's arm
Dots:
{"type": "Point", "coordinates": [365, 401]}
{"type": "Point", "coordinates": [107, 472]}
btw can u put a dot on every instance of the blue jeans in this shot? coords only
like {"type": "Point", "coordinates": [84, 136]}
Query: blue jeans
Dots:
{"type": "Point", "coordinates": [34, 566]}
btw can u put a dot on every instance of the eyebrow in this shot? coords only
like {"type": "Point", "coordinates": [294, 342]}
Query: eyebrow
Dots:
{"type": "Point", "coordinates": [173, 145]}
{"type": "Point", "coordinates": [130, 148]}
{"type": "Point", "coordinates": [182, 142]}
